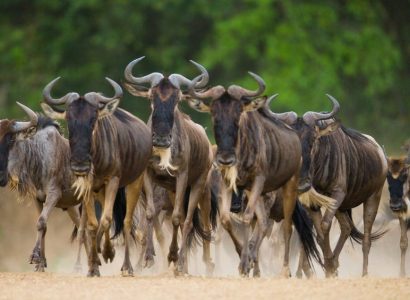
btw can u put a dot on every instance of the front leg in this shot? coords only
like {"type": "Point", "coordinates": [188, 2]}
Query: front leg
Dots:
{"type": "Point", "coordinates": [38, 256]}
{"type": "Point", "coordinates": [403, 245]}
{"type": "Point", "coordinates": [92, 226]}
{"type": "Point", "coordinates": [254, 196]}
{"type": "Point", "coordinates": [111, 190]}
{"type": "Point", "coordinates": [74, 213]}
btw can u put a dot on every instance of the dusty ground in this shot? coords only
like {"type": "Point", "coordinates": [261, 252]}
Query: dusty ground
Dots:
{"type": "Point", "coordinates": [56, 286]}
{"type": "Point", "coordinates": [18, 232]}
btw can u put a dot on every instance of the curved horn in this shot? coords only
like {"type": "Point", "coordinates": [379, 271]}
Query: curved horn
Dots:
{"type": "Point", "coordinates": [50, 100]}
{"type": "Point", "coordinates": [201, 80]}
{"type": "Point", "coordinates": [118, 92]}
{"type": "Point", "coordinates": [20, 126]}
{"type": "Point", "coordinates": [212, 94]}
{"type": "Point", "coordinates": [311, 116]}
{"type": "Point", "coordinates": [239, 92]}
{"type": "Point", "coordinates": [287, 117]}
{"type": "Point", "coordinates": [153, 79]}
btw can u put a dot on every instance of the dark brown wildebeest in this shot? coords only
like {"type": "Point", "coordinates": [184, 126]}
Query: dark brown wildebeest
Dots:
{"type": "Point", "coordinates": [345, 165]}
{"type": "Point", "coordinates": [398, 180]}
{"type": "Point", "coordinates": [181, 158]}
{"type": "Point", "coordinates": [255, 152]}
{"type": "Point", "coordinates": [110, 149]}
{"type": "Point", "coordinates": [34, 161]}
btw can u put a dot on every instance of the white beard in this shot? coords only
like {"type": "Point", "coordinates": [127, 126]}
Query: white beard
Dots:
{"type": "Point", "coordinates": [83, 186]}
{"type": "Point", "coordinates": [312, 197]}
{"type": "Point", "coordinates": [165, 159]}
{"type": "Point", "coordinates": [230, 174]}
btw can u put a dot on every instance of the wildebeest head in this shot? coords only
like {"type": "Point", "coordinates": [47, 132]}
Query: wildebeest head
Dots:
{"type": "Point", "coordinates": [164, 93]}
{"type": "Point", "coordinates": [226, 108]}
{"type": "Point", "coordinates": [81, 115]}
{"type": "Point", "coordinates": [397, 177]}
{"type": "Point", "coordinates": [310, 128]}
{"type": "Point", "coordinates": [8, 131]}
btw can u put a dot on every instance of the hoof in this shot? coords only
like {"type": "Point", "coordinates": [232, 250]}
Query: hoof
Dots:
{"type": "Point", "coordinates": [108, 254]}
{"type": "Point", "coordinates": [94, 272]}
{"type": "Point", "coordinates": [244, 269]}
{"type": "Point", "coordinates": [35, 257]}
{"type": "Point", "coordinates": [256, 273]}
{"type": "Point", "coordinates": [172, 257]}
{"type": "Point", "coordinates": [285, 273]}
{"type": "Point", "coordinates": [39, 267]}
{"type": "Point", "coordinates": [149, 262]}
{"type": "Point", "coordinates": [127, 273]}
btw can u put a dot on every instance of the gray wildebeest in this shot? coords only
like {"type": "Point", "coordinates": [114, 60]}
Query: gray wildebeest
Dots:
{"type": "Point", "coordinates": [345, 165]}
{"type": "Point", "coordinates": [34, 161]}
{"type": "Point", "coordinates": [110, 149]}
{"type": "Point", "coordinates": [398, 180]}
{"type": "Point", "coordinates": [254, 152]}
{"type": "Point", "coordinates": [181, 160]}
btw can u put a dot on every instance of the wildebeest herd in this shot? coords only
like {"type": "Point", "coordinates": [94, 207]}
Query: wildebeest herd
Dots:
{"type": "Point", "coordinates": [115, 174]}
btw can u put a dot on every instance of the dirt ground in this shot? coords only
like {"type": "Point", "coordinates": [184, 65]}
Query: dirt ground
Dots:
{"type": "Point", "coordinates": [17, 281]}
{"type": "Point", "coordinates": [57, 286]}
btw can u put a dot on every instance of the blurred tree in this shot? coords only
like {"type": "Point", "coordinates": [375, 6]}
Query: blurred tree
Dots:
{"type": "Point", "coordinates": [359, 51]}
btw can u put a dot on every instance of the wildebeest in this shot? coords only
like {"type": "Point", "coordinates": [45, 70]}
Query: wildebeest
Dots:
{"type": "Point", "coordinates": [181, 158]}
{"type": "Point", "coordinates": [34, 160]}
{"type": "Point", "coordinates": [398, 180]}
{"type": "Point", "coordinates": [110, 149]}
{"type": "Point", "coordinates": [255, 152]}
{"type": "Point", "coordinates": [345, 165]}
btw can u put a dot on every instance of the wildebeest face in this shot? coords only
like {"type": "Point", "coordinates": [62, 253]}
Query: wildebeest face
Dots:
{"type": "Point", "coordinates": [226, 112]}
{"type": "Point", "coordinates": [309, 135]}
{"type": "Point", "coordinates": [81, 119]}
{"type": "Point", "coordinates": [397, 177]}
{"type": "Point", "coordinates": [6, 141]}
{"type": "Point", "coordinates": [164, 99]}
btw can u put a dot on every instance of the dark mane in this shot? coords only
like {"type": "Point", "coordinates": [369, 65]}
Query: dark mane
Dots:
{"type": "Point", "coordinates": [355, 135]}
{"type": "Point", "coordinates": [44, 121]}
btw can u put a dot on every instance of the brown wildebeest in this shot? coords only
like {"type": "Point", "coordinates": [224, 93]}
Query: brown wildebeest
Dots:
{"type": "Point", "coordinates": [398, 180]}
{"type": "Point", "coordinates": [181, 159]}
{"type": "Point", "coordinates": [34, 161]}
{"type": "Point", "coordinates": [344, 165]}
{"type": "Point", "coordinates": [110, 149]}
{"type": "Point", "coordinates": [255, 152]}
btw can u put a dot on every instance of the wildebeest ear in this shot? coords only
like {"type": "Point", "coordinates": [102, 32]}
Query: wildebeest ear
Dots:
{"type": "Point", "coordinates": [253, 104]}
{"type": "Point", "coordinates": [198, 105]}
{"type": "Point", "coordinates": [109, 108]}
{"type": "Point", "coordinates": [137, 90]}
{"type": "Point", "coordinates": [52, 113]}
{"type": "Point", "coordinates": [322, 131]}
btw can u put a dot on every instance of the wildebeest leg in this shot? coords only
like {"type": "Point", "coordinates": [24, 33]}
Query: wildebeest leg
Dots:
{"type": "Point", "coordinates": [111, 189]}
{"type": "Point", "coordinates": [345, 229]}
{"type": "Point", "coordinates": [197, 190]}
{"type": "Point", "coordinates": [38, 256]}
{"type": "Point", "coordinates": [133, 192]}
{"type": "Point", "coordinates": [316, 216]}
{"type": "Point", "coordinates": [226, 196]}
{"type": "Point", "coordinates": [75, 216]}
{"type": "Point", "coordinates": [150, 214]}
{"type": "Point", "coordinates": [403, 245]}
{"type": "Point", "coordinates": [205, 205]}
{"type": "Point", "coordinates": [257, 237]}
{"type": "Point", "coordinates": [92, 226]}
{"type": "Point", "coordinates": [289, 202]}
{"type": "Point", "coordinates": [159, 233]}
{"type": "Point", "coordinates": [254, 196]}
{"type": "Point", "coordinates": [326, 224]}
{"type": "Point", "coordinates": [173, 247]}
{"type": "Point", "coordinates": [303, 265]}
{"type": "Point", "coordinates": [370, 207]}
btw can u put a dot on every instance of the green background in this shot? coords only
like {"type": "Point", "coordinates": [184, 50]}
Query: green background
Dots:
{"type": "Point", "coordinates": [358, 51]}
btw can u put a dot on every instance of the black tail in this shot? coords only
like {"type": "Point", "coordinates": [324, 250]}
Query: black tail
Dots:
{"type": "Point", "coordinates": [408, 224]}
{"type": "Point", "coordinates": [214, 210]}
{"type": "Point", "coordinates": [198, 233]}
{"type": "Point", "coordinates": [74, 234]}
{"type": "Point", "coordinates": [357, 236]}
{"type": "Point", "coordinates": [119, 211]}
{"type": "Point", "coordinates": [304, 227]}
{"type": "Point", "coordinates": [98, 210]}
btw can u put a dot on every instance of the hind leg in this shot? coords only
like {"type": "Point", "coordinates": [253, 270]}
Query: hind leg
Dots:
{"type": "Point", "coordinates": [370, 207]}
{"type": "Point", "coordinates": [403, 245]}
{"type": "Point", "coordinates": [133, 192]}
{"type": "Point", "coordinates": [75, 216]}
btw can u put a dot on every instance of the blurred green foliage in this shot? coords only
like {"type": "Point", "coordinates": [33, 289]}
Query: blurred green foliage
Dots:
{"type": "Point", "coordinates": [356, 50]}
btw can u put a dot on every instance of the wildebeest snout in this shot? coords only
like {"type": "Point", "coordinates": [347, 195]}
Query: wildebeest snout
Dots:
{"type": "Point", "coordinates": [397, 204]}
{"type": "Point", "coordinates": [304, 185]}
{"type": "Point", "coordinates": [80, 167]}
{"type": "Point", "coordinates": [226, 159]}
{"type": "Point", "coordinates": [161, 141]}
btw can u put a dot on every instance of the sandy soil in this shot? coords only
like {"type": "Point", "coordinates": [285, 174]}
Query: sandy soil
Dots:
{"type": "Point", "coordinates": [55, 286]}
